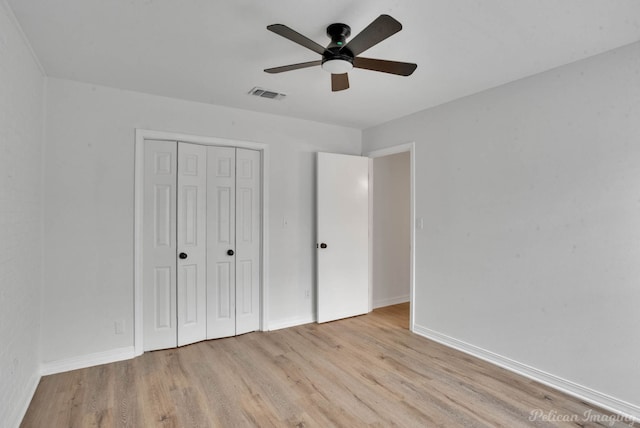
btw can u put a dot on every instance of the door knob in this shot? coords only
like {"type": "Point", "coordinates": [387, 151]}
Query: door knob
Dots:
{"type": "Point", "coordinates": [323, 245]}
{"type": "Point", "coordinates": [183, 256]}
{"type": "Point", "coordinates": [230, 252]}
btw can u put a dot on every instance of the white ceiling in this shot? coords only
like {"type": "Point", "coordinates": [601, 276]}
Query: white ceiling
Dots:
{"type": "Point", "coordinates": [214, 51]}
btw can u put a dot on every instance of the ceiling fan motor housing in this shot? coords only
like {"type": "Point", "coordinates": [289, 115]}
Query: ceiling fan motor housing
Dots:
{"type": "Point", "coordinates": [336, 59]}
{"type": "Point", "coordinates": [338, 34]}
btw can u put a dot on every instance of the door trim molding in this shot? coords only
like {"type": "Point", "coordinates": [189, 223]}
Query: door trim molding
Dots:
{"type": "Point", "coordinates": [145, 134]}
{"type": "Point", "coordinates": [400, 148]}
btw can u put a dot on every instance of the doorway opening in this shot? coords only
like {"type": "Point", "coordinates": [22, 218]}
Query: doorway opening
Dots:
{"type": "Point", "coordinates": [391, 221]}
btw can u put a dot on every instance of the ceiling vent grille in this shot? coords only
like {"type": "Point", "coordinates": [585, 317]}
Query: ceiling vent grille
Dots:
{"type": "Point", "coordinates": [264, 93]}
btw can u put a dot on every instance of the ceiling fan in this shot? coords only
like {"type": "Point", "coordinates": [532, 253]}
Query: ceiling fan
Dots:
{"type": "Point", "coordinates": [341, 56]}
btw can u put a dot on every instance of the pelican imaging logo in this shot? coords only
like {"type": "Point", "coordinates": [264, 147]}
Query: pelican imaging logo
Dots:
{"type": "Point", "coordinates": [588, 416]}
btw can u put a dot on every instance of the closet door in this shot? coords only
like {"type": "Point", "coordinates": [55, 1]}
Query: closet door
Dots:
{"type": "Point", "coordinates": [159, 245]}
{"type": "Point", "coordinates": [248, 236]}
{"type": "Point", "coordinates": [201, 243]}
{"type": "Point", "coordinates": [221, 239]}
{"type": "Point", "coordinates": [192, 245]}
{"type": "Point", "coordinates": [234, 236]}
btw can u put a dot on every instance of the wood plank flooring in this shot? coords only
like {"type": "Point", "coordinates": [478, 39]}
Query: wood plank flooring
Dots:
{"type": "Point", "coordinates": [363, 371]}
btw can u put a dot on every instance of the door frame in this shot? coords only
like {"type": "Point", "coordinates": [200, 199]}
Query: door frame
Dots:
{"type": "Point", "coordinates": [144, 134]}
{"type": "Point", "coordinates": [401, 148]}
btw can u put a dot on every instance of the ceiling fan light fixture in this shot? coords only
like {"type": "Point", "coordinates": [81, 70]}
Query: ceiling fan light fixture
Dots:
{"type": "Point", "coordinates": [337, 66]}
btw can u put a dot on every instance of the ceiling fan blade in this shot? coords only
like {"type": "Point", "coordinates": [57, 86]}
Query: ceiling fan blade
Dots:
{"type": "Point", "coordinates": [293, 67]}
{"type": "Point", "coordinates": [339, 82]}
{"type": "Point", "coordinates": [294, 36]}
{"type": "Point", "coordinates": [392, 67]}
{"type": "Point", "coordinates": [382, 27]}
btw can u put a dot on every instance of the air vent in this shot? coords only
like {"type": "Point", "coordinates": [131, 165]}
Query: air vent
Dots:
{"type": "Point", "coordinates": [264, 93]}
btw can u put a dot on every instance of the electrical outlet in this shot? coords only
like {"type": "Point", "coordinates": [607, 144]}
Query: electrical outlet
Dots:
{"type": "Point", "coordinates": [119, 327]}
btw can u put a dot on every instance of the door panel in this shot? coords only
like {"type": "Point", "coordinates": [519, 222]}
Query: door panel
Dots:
{"type": "Point", "coordinates": [248, 236]}
{"type": "Point", "coordinates": [164, 215]}
{"type": "Point", "coordinates": [221, 182]}
{"type": "Point", "coordinates": [343, 207]}
{"type": "Point", "coordinates": [190, 273]}
{"type": "Point", "coordinates": [192, 209]}
{"type": "Point", "coordinates": [189, 196]}
{"type": "Point", "coordinates": [224, 309]}
{"type": "Point", "coordinates": [159, 245]}
{"type": "Point", "coordinates": [163, 290]}
{"type": "Point", "coordinates": [244, 281]}
{"type": "Point", "coordinates": [224, 202]}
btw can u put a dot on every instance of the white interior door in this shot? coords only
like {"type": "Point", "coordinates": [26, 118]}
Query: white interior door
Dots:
{"type": "Point", "coordinates": [221, 237]}
{"type": "Point", "coordinates": [342, 216]}
{"type": "Point", "coordinates": [159, 245]}
{"type": "Point", "coordinates": [234, 216]}
{"type": "Point", "coordinates": [248, 237]}
{"type": "Point", "coordinates": [192, 244]}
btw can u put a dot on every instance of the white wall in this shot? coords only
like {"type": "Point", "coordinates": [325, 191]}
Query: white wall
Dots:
{"type": "Point", "coordinates": [391, 240]}
{"type": "Point", "coordinates": [21, 127]}
{"type": "Point", "coordinates": [531, 198]}
{"type": "Point", "coordinates": [89, 183]}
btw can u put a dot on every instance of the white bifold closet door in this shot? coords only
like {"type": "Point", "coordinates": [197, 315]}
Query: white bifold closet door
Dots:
{"type": "Point", "coordinates": [233, 216]}
{"type": "Point", "coordinates": [159, 245]}
{"type": "Point", "coordinates": [201, 243]}
{"type": "Point", "coordinates": [192, 243]}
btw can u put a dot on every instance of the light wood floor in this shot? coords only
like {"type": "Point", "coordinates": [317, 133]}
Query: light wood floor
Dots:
{"type": "Point", "coordinates": [363, 371]}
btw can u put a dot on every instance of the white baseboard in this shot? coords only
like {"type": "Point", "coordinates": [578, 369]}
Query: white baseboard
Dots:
{"type": "Point", "coordinates": [82, 361]}
{"type": "Point", "coordinates": [379, 303]}
{"type": "Point", "coordinates": [290, 322]}
{"type": "Point", "coordinates": [623, 408]}
{"type": "Point", "coordinates": [15, 417]}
